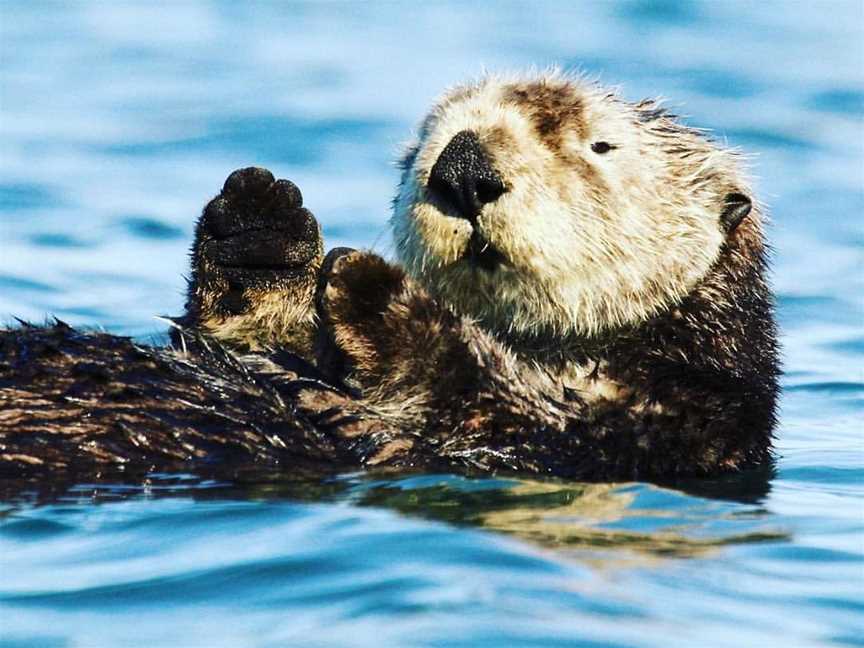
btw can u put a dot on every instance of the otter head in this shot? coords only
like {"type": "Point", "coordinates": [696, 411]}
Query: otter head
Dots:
{"type": "Point", "coordinates": [553, 205]}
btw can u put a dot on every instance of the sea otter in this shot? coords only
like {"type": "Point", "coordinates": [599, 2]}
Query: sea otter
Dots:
{"type": "Point", "coordinates": [580, 291]}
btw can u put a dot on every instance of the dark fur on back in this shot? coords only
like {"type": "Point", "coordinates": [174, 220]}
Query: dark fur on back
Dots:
{"type": "Point", "coordinates": [81, 403]}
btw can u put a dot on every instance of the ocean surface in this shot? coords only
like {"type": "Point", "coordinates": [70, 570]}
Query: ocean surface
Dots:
{"type": "Point", "coordinates": [119, 120]}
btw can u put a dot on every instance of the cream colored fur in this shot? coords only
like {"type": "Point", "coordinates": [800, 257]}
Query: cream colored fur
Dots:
{"type": "Point", "coordinates": [274, 321]}
{"type": "Point", "coordinates": [593, 242]}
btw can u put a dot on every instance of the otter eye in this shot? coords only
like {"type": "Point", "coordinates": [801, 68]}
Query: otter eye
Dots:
{"type": "Point", "coordinates": [602, 147]}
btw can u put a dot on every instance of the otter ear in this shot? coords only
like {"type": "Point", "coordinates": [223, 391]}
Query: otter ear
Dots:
{"type": "Point", "coordinates": [736, 206]}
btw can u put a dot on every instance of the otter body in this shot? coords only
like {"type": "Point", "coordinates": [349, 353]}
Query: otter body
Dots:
{"type": "Point", "coordinates": [581, 292]}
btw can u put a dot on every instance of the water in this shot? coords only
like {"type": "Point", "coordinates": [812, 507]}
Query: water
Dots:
{"type": "Point", "coordinates": [120, 120]}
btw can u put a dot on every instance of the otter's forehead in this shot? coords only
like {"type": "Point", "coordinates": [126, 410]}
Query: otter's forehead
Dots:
{"type": "Point", "coordinates": [557, 110]}
{"type": "Point", "coordinates": [554, 109]}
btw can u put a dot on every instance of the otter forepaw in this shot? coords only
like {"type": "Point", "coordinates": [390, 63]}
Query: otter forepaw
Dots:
{"type": "Point", "coordinates": [255, 235]}
{"type": "Point", "coordinates": [355, 293]}
{"type": "Point", "coordinates": [255, 260]}
{"type": "Point", "coordinates": [377, 326]}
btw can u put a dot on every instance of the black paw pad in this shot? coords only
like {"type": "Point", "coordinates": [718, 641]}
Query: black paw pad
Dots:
{"type": "Point", "coordinates": [284, 196]}
{"type": "Point", "coordinates": [256, 231]}
{"type": "Point", "coordinates": [248, 184]}
{"type": "Point", "coordinates": [252, 199]}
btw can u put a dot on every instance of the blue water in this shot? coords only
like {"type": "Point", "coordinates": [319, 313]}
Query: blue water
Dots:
{"type": "Point", "coordinates": [119, 120]}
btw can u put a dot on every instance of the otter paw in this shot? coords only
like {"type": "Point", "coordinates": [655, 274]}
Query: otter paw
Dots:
{"type": "Point", "coordinates": [376, 323]}
{"type": "Point", "coordinates": [355, 294]}
{"type": "Point", "coordinates": [255, 238]}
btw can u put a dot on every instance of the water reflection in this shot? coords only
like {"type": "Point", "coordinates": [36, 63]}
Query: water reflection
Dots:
{"type": "Point", "coordinates": [605, 524]}
{"type": "Point", "coordinates": [613, 521]}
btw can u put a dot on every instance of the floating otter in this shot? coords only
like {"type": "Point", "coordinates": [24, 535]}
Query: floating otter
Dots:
{"type": "Point", "coordinates": [581, 292]}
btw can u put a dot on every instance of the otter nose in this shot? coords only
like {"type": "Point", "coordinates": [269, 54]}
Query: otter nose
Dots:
{"type": "Point", "coordinates": [463, 177]}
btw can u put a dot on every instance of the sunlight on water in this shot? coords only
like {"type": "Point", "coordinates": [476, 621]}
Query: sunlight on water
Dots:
{"type": "Point", "coordinates": [120, 120]}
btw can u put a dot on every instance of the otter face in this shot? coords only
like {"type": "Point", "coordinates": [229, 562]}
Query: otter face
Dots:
{"type": "Point", "coordinates": [553, 205]}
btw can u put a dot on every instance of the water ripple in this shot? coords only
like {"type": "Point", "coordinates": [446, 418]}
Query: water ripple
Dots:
{"type": "Point", "coordinates": [120, 120]}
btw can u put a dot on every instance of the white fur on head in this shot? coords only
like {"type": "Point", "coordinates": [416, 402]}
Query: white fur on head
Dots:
{"type": "Point", "coordinates": [593, 241]}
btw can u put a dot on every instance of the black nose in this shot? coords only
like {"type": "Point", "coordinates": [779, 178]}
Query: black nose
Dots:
{"type": "Point", "coordinates": [463, 177]}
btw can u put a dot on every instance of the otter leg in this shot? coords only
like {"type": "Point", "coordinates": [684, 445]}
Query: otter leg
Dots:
{"type": "Point", "coordinates": [255, 263]}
